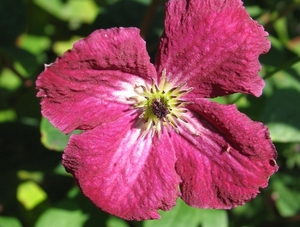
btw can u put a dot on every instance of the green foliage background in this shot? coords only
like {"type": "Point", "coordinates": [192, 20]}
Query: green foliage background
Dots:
{"type": "Point", "coordinates": [36, 191]}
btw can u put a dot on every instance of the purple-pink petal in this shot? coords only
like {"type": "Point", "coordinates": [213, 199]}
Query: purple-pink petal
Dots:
{"type": "Point", "coordinates": [213, 45]}
{"type": "Point", "coordinates": [123, 173]}
{"type": "Point", "coordinates": [223, 157]}
{"type": "Point", "coordinates": [80, 89]}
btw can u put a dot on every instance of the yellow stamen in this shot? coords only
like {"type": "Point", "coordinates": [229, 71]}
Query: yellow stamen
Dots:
{"type": "Point", "coordinates": [160, 105]}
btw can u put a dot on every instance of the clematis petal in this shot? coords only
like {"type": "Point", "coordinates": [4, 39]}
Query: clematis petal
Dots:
{"type": "Point", "coordinates": [213, 45]}
{"type": "Point", "coordinates": [123, 173]}
{"type": "Point", "coordinates": [82, 88]}
{"type": "Point", "coordinates": [223, 156]}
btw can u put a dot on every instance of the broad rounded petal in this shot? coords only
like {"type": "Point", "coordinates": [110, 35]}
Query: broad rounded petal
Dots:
{"type": "Point", "coordinates": [223, 156]}
{"type": "Point", "coordinates": [213, 45]}
{"type": "Point", "coordinates": [81, 89]}
{"type": "Point", "coordinates": [123, 173]}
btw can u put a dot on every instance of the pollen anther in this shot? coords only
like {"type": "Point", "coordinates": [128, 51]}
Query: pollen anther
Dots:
{"type": "Point", "coordinates": [160, 106]}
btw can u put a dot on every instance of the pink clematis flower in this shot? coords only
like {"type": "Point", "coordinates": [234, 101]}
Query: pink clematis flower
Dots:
{"type": "Point", "coordinates": [150, 134]}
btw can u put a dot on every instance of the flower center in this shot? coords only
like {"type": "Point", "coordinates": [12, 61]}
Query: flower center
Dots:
{"type": "Point", "coordinates": [160, 108]}
{"type": "Point", "coordinates": [160, 105]}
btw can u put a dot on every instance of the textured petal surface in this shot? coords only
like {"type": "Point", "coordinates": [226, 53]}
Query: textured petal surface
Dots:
{"type": "Point", "coordinates": [223, 156]}
{"type": "Point", "coordinates": [123, 174]}
{"type": "Point", "coordinates": [213, 45]}
{"type": "Point", "coordinates": [82, 88]}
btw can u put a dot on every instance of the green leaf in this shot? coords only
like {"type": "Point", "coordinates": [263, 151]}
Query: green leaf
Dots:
{"type": "Point", "coordinates": [281, 114]}
{"type": "Point", "coordinates": [116, 222]}
{"type": "Point", "coordinates": [214, 218]}
{"type": "Point", "coordinates": [34, 44]}
{"type": "Point", "coordinates": [177, 217]}
{"type": "Point", "coordinates": [53, 138]}
{"type": "Point", "coordinates": [23, 61]}
{"type": "Point", "coordinates": [75, 11]}
{"type": "Point", "coordinates": [63, 218]}
{"type": "Point", "coordinates": [288, 201]}
{"type": "Point", "coordinates": [7, 115]}
{"type": "Point", "coordinates": [30, 194]}
{"type": "Point", "coordinates": [61, 47]}
{"type": "Point", "coordinates": [9, 222]}
{"type": "Point", "coordinates": [282, 29]}
{"type": "Point", "coordinates": [282, 132]}
{"type": "Point", "coordinates": [9, 80]}
{"type": "Point", "coordinates": [286, 73]}
{"type": "Point", "coordinates": [182, 214]}
{"type": "Point", "coordinates": [292, 155]}
{"type": "Point", "coordinates": [254, 11]}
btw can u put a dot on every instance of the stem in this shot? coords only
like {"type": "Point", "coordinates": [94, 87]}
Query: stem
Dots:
{"type": "Point", "coordinates": [236, 99]}
{"type": "Point", "coordinates": [148, 18]}
{"type": "Point", "coordinates": [285, 65]}
{"type": "Point", "coordinates": [291, 7]}
{"type": "Point", "coordinates": [26, 82]}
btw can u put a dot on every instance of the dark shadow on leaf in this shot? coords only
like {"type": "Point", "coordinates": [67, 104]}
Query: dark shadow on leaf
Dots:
{"type": "Point", "coordinates": [283, 107]}
{"type": "Point", "coordinates": [12, 20]}
{"type": "Point", "coordinates": [21, 149]}
{"type": "Point", "coordinates": [276, 56]}
{"type": "Point", "coordinates": [130, 13]}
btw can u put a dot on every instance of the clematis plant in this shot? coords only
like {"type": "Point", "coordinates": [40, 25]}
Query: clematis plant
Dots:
{"type": "Point", "coordinates": [150, 133]}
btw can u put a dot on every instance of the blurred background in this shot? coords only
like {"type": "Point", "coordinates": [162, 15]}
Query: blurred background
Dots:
{"type": "Point", "coordinates": [36, 191]}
